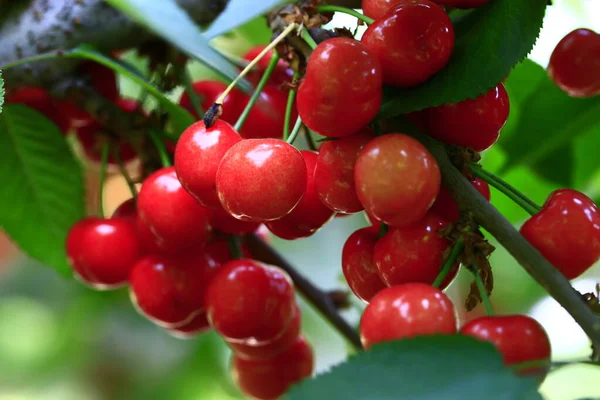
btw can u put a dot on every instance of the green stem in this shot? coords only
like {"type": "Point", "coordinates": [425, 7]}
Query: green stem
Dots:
{"type": "Point", "coordinates": [459, 245]}
{"type": "Point", "coordinates": [349, 11]}
{"type": "Point", "coordinates": [511, 192]}
{"type": "Point", "coordinates": [235, 247]}
{"type": "Point", "coordinates": [310, 140]}
{"type": "Point", "coordinates": [40, 57]}
{"type": "Point", "coordinates": [165, 160]}
{"type": "Point", "coordinates": [259, 88]}
{"type": "Point", "coordinates": [126, 175]}
{"type": "Point", "coordinates": [186, 79]}
{"type": "Point", "coordinates": [383, 229]}
{"type": "Point", "coordinates": [103, 165]}
{"type": "Point", "coordinates": [288, 109]}
{"type": "Point", "coordinates": [489, 310]}
{"type": "Point", "coordinates": [295, 131]}
{"type": "Point", "coordinates": [308, 39]}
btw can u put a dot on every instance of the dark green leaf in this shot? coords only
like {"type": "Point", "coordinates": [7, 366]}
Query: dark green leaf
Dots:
{"type": "Point", "coordinates": [42, 193]}
{"type": "Point", "coordinates": [489, 42]}
{"type": "Point", "coordinates": [426, 368]}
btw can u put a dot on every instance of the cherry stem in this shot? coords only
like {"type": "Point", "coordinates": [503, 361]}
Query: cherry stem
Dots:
{"type": "Point", "coordinates": [310, 140]}
{"type": "Point", "coordinates": [489, 310]}
{"type": "Point", "coordinates": [165, 160]}
{"type": "Point", "coordinates": [257, 92]}
{"type": "Point", "coordinates": [126, 175]}
{"type": "Point", "coordinates": [349, 11]}
{"type": "Point", "coordinates": [186, 79]}
{"type": "Point", "coordinates": [508, 190]}
{"type": "Point", "coordinates": [459, 245]}
{"type": "Point", "coordinates": [103, 165]}
{"type": "Point", "coordinates": [317, 297]}
{"type": "Point", "coordinates": [289, 107]}
{"type": "Point", "coordinates": [308, 39]}
{"type": "Point", "coordinates": [235, 247]}
{"type": "Point", "coordinates": [383, 229]}
{"type": "Point", "coordinates": [295, 131]}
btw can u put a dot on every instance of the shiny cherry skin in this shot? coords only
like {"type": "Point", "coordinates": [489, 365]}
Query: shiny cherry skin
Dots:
{"type": "Point", "coordinates": [224, 222]}
{"type": "Point", "coordinates": [249, 301]}
{"type": "Point", "coordinates": [270, 379]}
{"type": "Point", "coordinates": [281, 74]}
{"type": "Point", "coordinates": [271, 349]}
{"type": "Point", "coordinates": [102, 252]}
{"type": "Point", "coordinates": [378, 8]}
{"type": "Point", "coordinates": [358, 264]}
{"type": "Point", "coordinates": [310, 214]}
{"type": "Point", "coordinates": [518, 338]}
{"type": "Point", "coordinates": [39, 100]}
{"type": "Point", "coordinates": [341, 91]}
{"type": "Point", "coordinates": [334, 172]}
{"type": "Point", "coordinates": [575, 63]}
{"type": "Point", "coordinates": [261, 180]}
{"type": "Point", "coordinates": [128, 210]}
{"type": "Point", "coordinates": [198, 325]}
{"type": "Point", "coordinates": [473, 123]}
{"type": "Point", "coordinates": [397, 179]}
{"type": "Point", "coordinates": [209, 91]}
{"type": "Point", "coordinates": [403, 311]}
{"type": "Point", "coordinates": [176, 219]}
{"type": "Point", "coordinates": [566, 231]}
{"type": "Point", "coordinates": [446, 207]}
{"type": "Point", "coordinates": [198, 154]}
{"type": "Point", "coordinates": [413, 253]}
{"type": "Point", "coordinates": [413, 41]}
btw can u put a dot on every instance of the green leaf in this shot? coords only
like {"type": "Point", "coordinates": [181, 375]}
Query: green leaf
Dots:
{"type": "Point", "coordinates": [167, 19]}
{"type": "Point", "coordinates": [425, 368]}
{"type": "Point", "coordinates": [1, 92]}
{"type": "Point", "coordinates": [489, 42]}
{"type": "Point", "coordinates": [42, 192]}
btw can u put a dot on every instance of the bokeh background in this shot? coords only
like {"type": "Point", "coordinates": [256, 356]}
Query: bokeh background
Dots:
{"type": "Point", "coordinates": [61, 341]}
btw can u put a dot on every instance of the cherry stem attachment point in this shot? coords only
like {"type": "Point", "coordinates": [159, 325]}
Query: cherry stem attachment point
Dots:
{"type": "Point", "coordinates": [289, 107]}
{"type": "Point", "coordinates": [308, 39]}
{"type": "Point", "coordinates": [349, 11]}
{"type": "Point", "coordinates": [103, 165]}
{"type": "Point", "coordinates": [257, 92]}
{"type": "Point", "coordinates": [383, 229]}
{"type": "Point", "coordinates": [295, 131]}
{"type": "Point", "coordinates": [126, 176]}
{"type": "Point", "coordinates": [459, 246]}
{"type": "Point", "coordinates": [310, 140]}
{"type": "Point", "coordinates": [165, 160]}
{"type": "Point", "coordinates": [489, 310]}
{"type": "Point", "coordinates": [235, 247]}
{"type": "Point", "coordinates": [508, 190]}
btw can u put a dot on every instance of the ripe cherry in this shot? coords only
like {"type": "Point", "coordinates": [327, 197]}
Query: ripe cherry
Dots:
{"type": "Point", "coordinates": [198, 325]}
{"type": "Point", "coordinates": [518, 337]}
{"type": "Point", "coordinates": [270, 379]}
{"type": "Point", "coordinates": [198, 154]}
{"type": "Point", "coordinates": [128, 210]}
{"type": "Point", "coordinates": [446, 207]}
{"type": "Point", "coordinates": [566, 231]}
{"type": "Point", "coordinates": [462, 3]}
{"type": "Point", "coordinates": [378, 8]}
{"type": "Point", "coordinates": [102, 252]}
{"type": "Point", "coordinates": [404, 311]}
{"type": "Point", "coordinates": [413, 41]}
{"type": "Point", "coordinates": [102, 78]}
{"type": "Point", "coordinates": [261, 179]}
{"type": "Point", "coordinates": [250, 302]}
{"type": "Point", "coordinates": [334, 172]}
{"type": "Point", "coordinates": [224, 222]}
{"type": "Point", "coordinates": [341, 91]}
{"type": "Point", "coordinates": [175, 218]}
{"type": "Point", "coordinates": [309, 215]}
{"type": "Point", "coordinates": [471, 123]}
{"type": "Point", "coordinates": [358, 264]}
{"type": "Point", "coordinates": [413, 253]}
{"type": "Point", "coordinates": [209, 92]}
{"type": "Point", "coordinates": [281, 74]}
{"type": "Point", "coordinates": [575, 63]}
{"type": "Point", "coordinates": [39, 100]}
{"type": "Point", "coordinates": [397, 179]}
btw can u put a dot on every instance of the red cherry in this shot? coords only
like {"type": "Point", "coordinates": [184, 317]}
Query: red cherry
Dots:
{"type": "Point", "coordinates": [102, 78]}
{"type": "Point", "coordinates": [281, 74]}
{"type": "Point", "coordinates": [446, 207]}
{"type": "Point", "coordinates": [358, 265]}
{"type": "Point", "coordinates": [462, 3]}
{"type": "Point", "coordinates": [39, 100]}
{"type": "Point", "coordinates": [413, 42]}
{"type": "Point", "coordinates": [334, 173]}
{"type": "Point", "coordinates": [309, 215]}
{"type": "Point", "coordinates": [270, 379]}
{"type": "Point", "coordinates": [404, 311]}
{"type": "Point", "coordinates": [566, 231]}
{"type": "Point", "coordinates": [250, 302]}
{"type": "Point", "coordinates": [272, 348]}
{"type": "Point", "coordinates": [261, 179]}
{"type": "Point", "coordinates": [341, 106]}
{"type": "Point", "coordinates": [127, 210]}
{"type": "Point", "coordinates": [209, 92]}
{"type": "Point", "coordinates": [102, 252]}
{"type": "Point", "coordinates": [518, 337]}
{"type": "Point", "coordinates": [575, 63]}
{"type": "Point", "coordinates": [175, 218]}
{"type": "Point", "coordinates": [378, 8]}
{"type": "Point", "coordinates": [198, 155]}
{"type": "Point", "coordinates": [412, 254]}
{"type": "Point", "coordinates": [224, 222]}
{"type": "Point", "coordinates": [397, 179]}
{"type": "Point", "coordinates": [471, 123]}
{"type": "Point", "coordinates": [198, 325]}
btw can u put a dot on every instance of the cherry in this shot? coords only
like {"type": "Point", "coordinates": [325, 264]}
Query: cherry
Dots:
{"type": "Point", "coordinates": [378, 8]}
{"type": "Point", "coordinates": [102, 78]}
{"type": "Point", "coordinates": [270, 379]}
{"type": "Point", "coordinates": [250, 302]}
{"type": "Point", "coordinates": [358, 265]}
{"type": "Point", "coordinates": [518, 337]}
{"type": "Point", "coordinates": [272, 348]}
{"type": "Point", "coordinates": [209, 92]}
{"type": "Point", "coordinates": [413, 41]}
{"type": "Point", "coordinates": [334, 172]}
{"type": "Point", "coordinates": [566, 231]}
{"type": "Point", "coordinates": [261, 179]}
{"type": "Point", "coordinates": [471, 123]}
{"type": "Point", "coordinates": [39, 100]}
{"type": "Point", "coordinates": [224, 222]}
{"type": "Point", "coordinates": [175, 218]}
{"type": "Point", "coordinates": [281, 74]}
{"type": "Point", "coordinates": [310, 214]}
{"type": "Point", "coordinates": [397, 179]}
{"type": "Point", "coordinates": [198, 154]}
{"type": "Point", "coordinates": [462, 3]}
{"type": "Point", "coordinates": [341, 91]}
{"type": "Point", "coordinates": [575, 63]}
{"type": "Point", "coordinates": [197, 325]}
{"type": "Point", "coordinates": [102, 252]}
{"type": "Point", "coordinates": [408, 310]}
{"type": "Point", "coordinates": [128, 210]}
{"type": "Point", "coordinates": [446, 207]}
